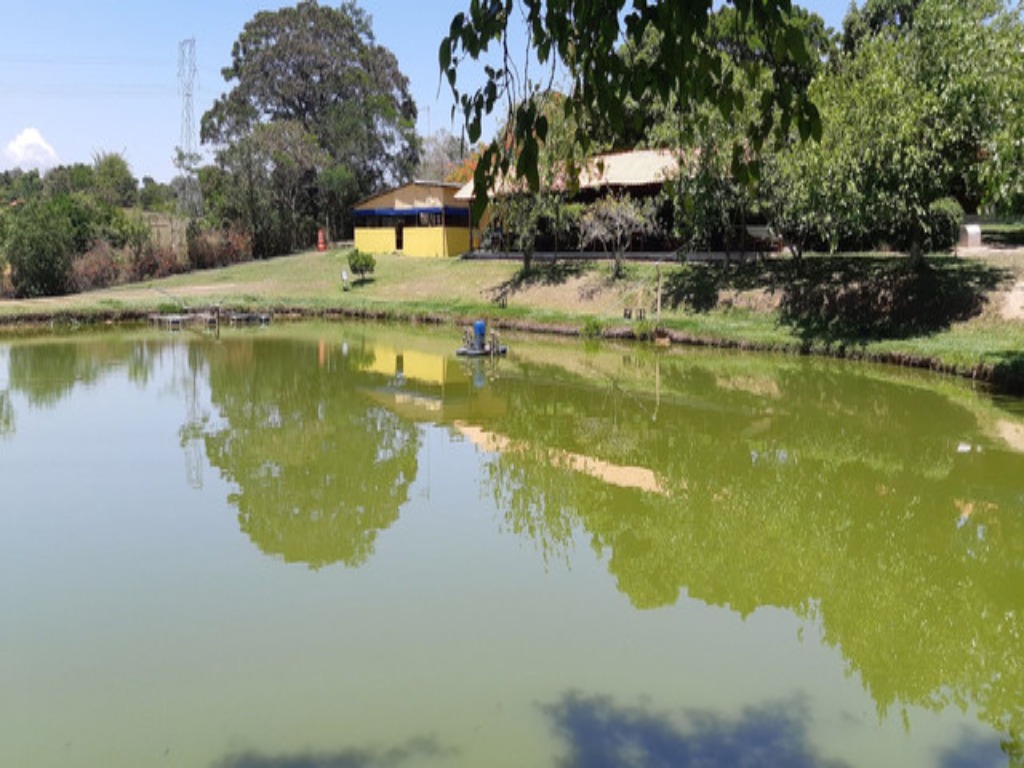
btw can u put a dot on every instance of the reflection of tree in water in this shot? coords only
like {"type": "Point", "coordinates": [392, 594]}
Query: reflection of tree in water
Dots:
{"type": "Point", "coordinates": [48, 370]}
{"type": "Point", "coordinates": [319, 470]}
{"type": "Point", "coordinates": [841, 498]}
{"type": "Point", "coordinates": [6, 414]}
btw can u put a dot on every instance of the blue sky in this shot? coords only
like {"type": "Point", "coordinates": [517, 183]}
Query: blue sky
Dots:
{"type": "Point", "coordinates": [79, 78]}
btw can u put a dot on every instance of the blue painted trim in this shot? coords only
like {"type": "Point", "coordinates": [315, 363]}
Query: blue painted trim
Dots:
{"type": "Point", "coordinates": [447, 211]}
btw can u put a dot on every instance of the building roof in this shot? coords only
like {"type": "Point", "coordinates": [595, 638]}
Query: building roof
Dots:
{"type": "Point", "coordinates": [415, 195]}
{"type": "Point", "coordinates": [637, 168]}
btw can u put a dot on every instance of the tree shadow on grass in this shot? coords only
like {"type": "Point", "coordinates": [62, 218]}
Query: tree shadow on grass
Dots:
{"type": "Point", "coordinates": [854, 299]}
{"type": "Point", "coordinates": [548, 273]}
{"type": "Point", "coordinates": [849, 298]}
{"type": "Point", "coordinates": [1011, 236]}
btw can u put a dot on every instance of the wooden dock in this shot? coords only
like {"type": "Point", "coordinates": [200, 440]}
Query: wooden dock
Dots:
{"type": "Point", "coordinates": [248, 318]}
{"type": "Point", "coordinates": [207, 320]}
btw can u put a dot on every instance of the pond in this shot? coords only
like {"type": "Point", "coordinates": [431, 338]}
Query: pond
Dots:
{"type": "Point", "coordinates": [340, 545]}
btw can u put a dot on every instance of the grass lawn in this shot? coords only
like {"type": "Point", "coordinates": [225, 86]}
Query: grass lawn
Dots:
{"type": "Point", "coordinates": [951, 316]}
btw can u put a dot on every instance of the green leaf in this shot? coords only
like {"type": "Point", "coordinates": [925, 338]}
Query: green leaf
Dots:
{"type": "Point", "coordinates": [526, 165]}
{"type": "Point", "coordinates": [814, 116]}
{"type": "Point", "coordinates": [797, 45]}
{"type": "Point", "coordinates": [455, 30]}
{"type": "Point", "coordinates": [541, 127]}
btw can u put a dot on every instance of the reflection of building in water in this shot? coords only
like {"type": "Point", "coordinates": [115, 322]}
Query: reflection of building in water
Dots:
{"type": "Point", "coordinates": [639, 478]}
{"type": "Point", "coordinates": [420, 366]}
{"type": "Point", "coordinates": [428, 386]}
{"type": "Point", "coordinates": [442, 389]}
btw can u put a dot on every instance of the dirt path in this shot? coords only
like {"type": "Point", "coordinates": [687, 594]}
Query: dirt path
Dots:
{"type": "Point", "coordinates": [1013, 302]}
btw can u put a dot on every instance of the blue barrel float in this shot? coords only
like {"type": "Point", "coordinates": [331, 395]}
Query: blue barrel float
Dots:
{"type": "Point", "coordinates": [476, 345]}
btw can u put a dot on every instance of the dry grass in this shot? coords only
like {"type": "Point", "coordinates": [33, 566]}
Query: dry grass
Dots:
{"type": "Point", "coordinates": [745, 305]}
{"type": "Point", "coordinates": [313, 280]}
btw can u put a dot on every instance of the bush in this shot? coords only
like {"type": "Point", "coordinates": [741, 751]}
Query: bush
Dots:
{"type": "Point", "coordinates": [100, 267]}
{"type": "Point", "coordinates": [6, 286]}
{"type": "Point", "coordinates": [361, 264]}
{"type": "Point", "coordinates": [39, 244]}
{"type": "Point", "coordinates": [645, 330]}
{"type": "Point", "coordinates": [592, 328]}
{"type": "Point", "coordinates": [156, 262]}
{"type": "Point", "coordinates": [216, 248]}
{"type": "Point", "coordinates": [943, 223]}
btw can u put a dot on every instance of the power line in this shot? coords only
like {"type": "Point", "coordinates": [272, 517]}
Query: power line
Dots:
{"type": "Point", "coordinates": [85, 90]}
{"type": "Point", "coordinates": [60, 60]}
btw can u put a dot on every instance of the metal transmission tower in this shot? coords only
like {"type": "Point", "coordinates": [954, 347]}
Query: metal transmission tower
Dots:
{"type": "Point", "coordinates": [190, 198]}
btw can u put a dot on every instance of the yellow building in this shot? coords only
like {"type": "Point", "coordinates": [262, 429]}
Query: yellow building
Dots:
{"type": "Point", "coordinates": [421, 218]}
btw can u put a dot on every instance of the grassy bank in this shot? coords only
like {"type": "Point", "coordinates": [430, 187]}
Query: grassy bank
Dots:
{"type": "Point", "coordinates": [956, 314]}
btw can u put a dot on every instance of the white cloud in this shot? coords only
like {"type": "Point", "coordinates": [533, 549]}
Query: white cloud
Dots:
{"type": "Point", "coordinates": [30, 150]}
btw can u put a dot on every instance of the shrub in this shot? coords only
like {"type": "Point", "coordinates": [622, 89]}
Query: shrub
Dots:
{"type": "Point", "coordinates": [99, 267]}
{"type": "Point", "coordinates": [216, 248]}
{"type": "Point", "coordinates": [592, 328]}
{"type": "Point", "coordinates": [644, 330]}
{"type": "Point", "coordinates": [361, 264]}
{"type": "Point", "coordinates": [6, 286]}
{"type": "Point", "coordinates": [943, 223]}
{"type": "Point", "coordinates": [156, 262]}
{"type": "Point", "coordinates": [39, 244]}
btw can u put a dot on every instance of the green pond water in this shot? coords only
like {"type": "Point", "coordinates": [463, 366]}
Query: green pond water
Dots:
{"type": "Point", "coordinates": [340, 545]}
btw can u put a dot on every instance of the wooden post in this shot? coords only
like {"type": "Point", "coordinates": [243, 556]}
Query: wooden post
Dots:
{"type": "Point", "coordinates": [658, 311]}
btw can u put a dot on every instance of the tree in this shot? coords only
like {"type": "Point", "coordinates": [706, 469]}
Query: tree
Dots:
{"type": "Point", "coordinates": [362, 264]}
{"type": "Point", "coordinates": [711, 198]}
{"type": "Point", "coordinates": [19, 185]}
{"type": "Point", "coordinates": [189, 195]}
{"type": "Point", "coordinates": [215, 185]}
{"type": "Point", "coordinates": [519, 215]}
{"type": "Point", "coordinates": [338, 187]}
{"type": "Point", "coordinates": [871, 178]}
{"type": "Point", "coordinates": [135, 234]}
{"type": "Point", "coordinates": [888, 18]}
{"type": "Point", "coordinates": [69, 179]}
{"type": "Point", "coordinates": [442, 153]}
{"type": "Point", "coordinates": [292, 159]}
{"type": "Point", "coordinates": [612, 222]}
{"type": "Point", "coordinates": [39, 246]}
{"type": "Point", "coordinates": [917, 113]}
{"type": "Point", "coordinates": [5, 215]}
{"type": "Point", "coordinates": [966, 56]}
{"type": "Point", "coordinates": [246, 195]}
{"type": "Point", "coordinates": [113, 182]}
{"type": "Point", "coordinates": [710, 206]}
{"type": "Point", "coordinates": [580, 37]}
{"type": "Point", "coordinates": [155, 196]}
{"type": "Point", "coordinates": [321, 69]}
{"type": "Point", "coordinates": [969, 55]}
{"type": "Point", "coordinates": [267, 181]}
